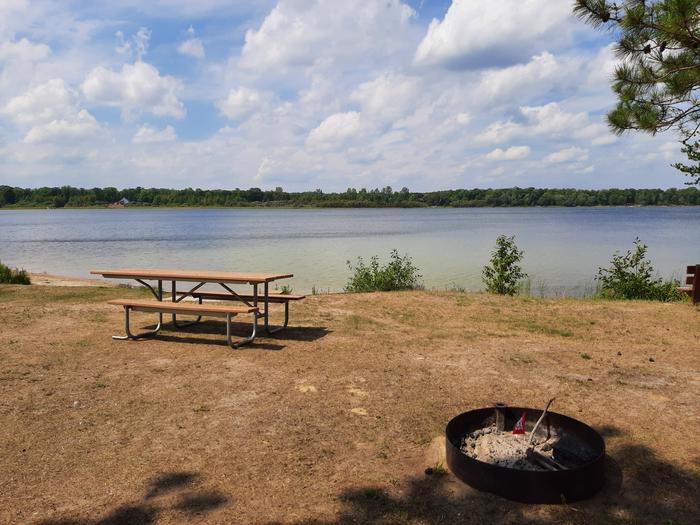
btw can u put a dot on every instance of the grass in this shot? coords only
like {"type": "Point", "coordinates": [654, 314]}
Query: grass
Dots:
{"type": "Point", "coordinates": [539, 328]}
{"type": "Point", "coordinates": [437, 470]}
{"type": "Point", "coordinates": [13, 275]}
{"type": "Point", "coordinates": [388, 370]}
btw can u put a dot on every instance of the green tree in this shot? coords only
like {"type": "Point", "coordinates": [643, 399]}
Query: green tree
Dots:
{"type": "Point", "coordinates": [658, 76]}
{"type": "Point", "coordinates": [631, 276]}
{"type": "Point", "coordinates": [504, 273]}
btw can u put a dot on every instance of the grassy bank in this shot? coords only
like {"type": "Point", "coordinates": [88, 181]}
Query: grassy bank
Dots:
{"type": "Point", "coordinates": [335, 420]}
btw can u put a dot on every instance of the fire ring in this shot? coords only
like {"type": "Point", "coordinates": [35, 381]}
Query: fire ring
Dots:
{"type": "Point", "coordinates": [576, 470]}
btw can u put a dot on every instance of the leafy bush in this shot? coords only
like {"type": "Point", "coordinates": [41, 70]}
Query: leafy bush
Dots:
{"type": "Point", "coordinates": [398, 274]}
{"type": "Point", "coordinates": [504, 273]}
{"type": "Point", "coordinates": [12, 275]}
{"type": "Point", "coordinates": [630, 276]}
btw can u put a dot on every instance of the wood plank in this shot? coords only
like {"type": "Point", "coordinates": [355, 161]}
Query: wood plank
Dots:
{"type": "Point", "coordinates": [690, 279]}
{"type": "Point", "coordinates": [191, 275]}
{"type": "Point", "coordinates": [691, 269]}
{"type": "Point", "coordinates": [225, 296]}
{"type": "Point", "coordinates": [213, 310]}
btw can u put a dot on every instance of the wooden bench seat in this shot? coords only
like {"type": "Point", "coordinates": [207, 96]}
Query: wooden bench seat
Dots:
{"type": "Point", "coordinates": [210, 310]}
{"type": "Point", "coordinates": [693, 280]}
{"type": "Point", "coordinates": [274, 298]}
{"type": "Point", "coordinates": [164, 307]}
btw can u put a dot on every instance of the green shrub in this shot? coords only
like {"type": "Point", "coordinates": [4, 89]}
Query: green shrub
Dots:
{"type": "Point", "coordinates": [504, 273]}
{"type": "Point", "coordinates": [398, 274]}
{"type": "Point", "coordinates": [12, 275]}
{"type": "Point", "coordinates": [631, 276]}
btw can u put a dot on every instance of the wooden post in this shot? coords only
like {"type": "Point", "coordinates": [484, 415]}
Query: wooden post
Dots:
{"type": "Point", "coordinates": [696, 284]}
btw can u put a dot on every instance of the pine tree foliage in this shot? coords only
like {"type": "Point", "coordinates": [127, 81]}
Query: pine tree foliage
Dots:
{"type": "Point", "coordinates": [658, 76]}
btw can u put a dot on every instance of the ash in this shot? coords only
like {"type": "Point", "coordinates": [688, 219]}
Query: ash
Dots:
{"type": "Point", "coordinates": [505, 449]}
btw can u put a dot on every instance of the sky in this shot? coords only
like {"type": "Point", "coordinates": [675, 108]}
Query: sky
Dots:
{"type": "Point", "coordinates": [307, 94]}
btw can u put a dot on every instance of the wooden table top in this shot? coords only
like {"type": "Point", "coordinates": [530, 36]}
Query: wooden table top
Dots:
{"type": "Point", "coordinates": [191, 275]}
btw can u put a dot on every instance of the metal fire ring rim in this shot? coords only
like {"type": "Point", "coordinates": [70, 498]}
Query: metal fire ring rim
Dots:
{"type": "Point", "coordinates": [572, 484]}
{"type": "Point", "coordinates": [549, 412]}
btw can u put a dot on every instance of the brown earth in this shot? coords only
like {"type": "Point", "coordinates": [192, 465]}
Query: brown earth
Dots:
{"type": "Point", "coordinates": [335, 420]}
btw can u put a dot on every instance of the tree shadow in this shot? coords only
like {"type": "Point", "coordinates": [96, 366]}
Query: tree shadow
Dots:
{"type": "Point", "coordinates": [608, 431]}
{"type": "Point", "coordinates": [170, 481]}
{"type": "Point", "coordinates": [640, 488]}
{"type": "Point", "coordinates": [149, 511]}
{"type": "Point", "coordinates": [200, 503]}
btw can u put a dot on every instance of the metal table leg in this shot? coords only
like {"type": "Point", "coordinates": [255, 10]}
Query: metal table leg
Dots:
{"type": "Point", "coordinates": [127, 328]}
{"type": "Point", "coordinates": [242, 342]}
{"type": "Point", "coordinates": [174, 299]}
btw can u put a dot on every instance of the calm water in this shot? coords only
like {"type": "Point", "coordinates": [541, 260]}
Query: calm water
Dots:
{"type": "Point", "coordinates": [563, 246]}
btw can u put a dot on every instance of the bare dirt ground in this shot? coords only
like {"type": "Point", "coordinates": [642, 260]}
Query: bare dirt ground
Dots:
{"type": "Point", "coordinates": [335, 420]}
{"type": "Point", "coordinates": [45, 279]}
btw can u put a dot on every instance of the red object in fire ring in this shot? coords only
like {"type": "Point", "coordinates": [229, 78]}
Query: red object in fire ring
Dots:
{"type": "Point", "coordinates": [519, 427]}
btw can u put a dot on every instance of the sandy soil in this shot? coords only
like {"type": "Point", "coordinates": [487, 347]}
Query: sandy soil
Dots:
{"type": "Point", "coordinates": [44, 279]}
{"type": "Point", "coordinates": [335, 420]}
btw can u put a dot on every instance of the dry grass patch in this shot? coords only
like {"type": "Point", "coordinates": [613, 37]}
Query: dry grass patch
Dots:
{"type": "Point", "coordinates": [335, 420]}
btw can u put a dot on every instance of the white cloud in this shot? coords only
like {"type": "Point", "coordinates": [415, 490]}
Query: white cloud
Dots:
{"type": "Point", "coordinates": [604, 137]}
{"type": "Point", "coordinates": [475, 35]}
{"type": "Point", "coordinates": [149, 135]}
{"type": "Point", "coordinates": [241, 103]}
{"type": "Point", "coordinates": [463, 118]}
{"type": "Point", "coordinates": [137, 87]}
{"type": "Point", "coordinates": [499, 84]}
{"type": "Point", "coordinates": [302, 33]}
{"type": "Point", "coordinates": [82, 125]}
{"type": "Point", "coordinates": [137, 45]}
{"type": "Point", "coordinates": [498, 132]}
{"type": "Point", "coordinates": [320, 93]}
{"type": "Point", "coordinates": [549, 120]}
{"type": "Point", "coordinates": [192, 47]}
{"type": "Point", "coordinates": [335, 130]}
{"type": "Point", "coordinates": [387, 97]}
{"type": "Point", "coordinates": [50, 112]}
{"type": "Point", "coordinates": [23, 50]}
{"type": "Point", "coordinates": [574, 153]}
{"type": "Point", "coordinates": [512, 153]}
{"type": "Point", "coordinates": [43, 103]}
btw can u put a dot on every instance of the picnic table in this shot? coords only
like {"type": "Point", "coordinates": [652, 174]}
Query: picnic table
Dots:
{"type": "Point", "coordinates": [256, 303]}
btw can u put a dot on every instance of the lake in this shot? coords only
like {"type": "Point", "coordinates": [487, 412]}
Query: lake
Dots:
{"type": "Point", "coordinates": [563, 246]}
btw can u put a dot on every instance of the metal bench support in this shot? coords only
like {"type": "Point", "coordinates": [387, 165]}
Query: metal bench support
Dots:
{"type": "Point", "coordinates": [279, 328]}
{"type": "Point", "coordinates": [130, 335]}
{"type": "Point", "coordinates": [245, 341]}
{"type": "Point", "coordinates": [127, 328]}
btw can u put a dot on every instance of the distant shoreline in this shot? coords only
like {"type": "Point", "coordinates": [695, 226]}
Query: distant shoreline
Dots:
{"type": "Point", "coordinates": [170, 207]}
{"type": "Point", "coordinates": [71, 197]}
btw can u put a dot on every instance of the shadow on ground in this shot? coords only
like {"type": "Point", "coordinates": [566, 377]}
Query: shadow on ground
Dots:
{"type": "Point", "coordinates": [263, 341]}
{"type": "Point", "coordinates": [640, 488]}
{"type": "Point", "coordinates": [189, 503]}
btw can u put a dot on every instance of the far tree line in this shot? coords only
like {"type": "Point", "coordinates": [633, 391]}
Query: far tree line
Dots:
{"type": "Point", "coordinates": [67, 196]}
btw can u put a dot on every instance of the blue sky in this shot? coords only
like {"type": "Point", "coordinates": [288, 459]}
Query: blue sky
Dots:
{"type": "Point", "coordinates": [309, 94]}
